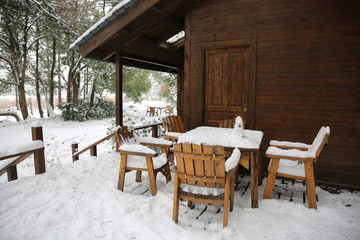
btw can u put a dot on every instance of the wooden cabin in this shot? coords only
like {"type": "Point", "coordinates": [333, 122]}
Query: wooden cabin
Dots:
{"type": "Point", "coordinates": [294, 66]}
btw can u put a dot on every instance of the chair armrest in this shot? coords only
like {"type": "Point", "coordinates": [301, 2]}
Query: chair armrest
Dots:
{"type": "Point", "coordinates": [288, 145]}
{"type": "Point", "coordinates": [155, 142]}
{"type": "Point", "coordinates": [233, 160]}
{"type": "Point", "coordinates": [290, 154]}
{"type": "Point", "coordinates": [173, 134]}
{"type": "Point", "coordinates": [138, 150]}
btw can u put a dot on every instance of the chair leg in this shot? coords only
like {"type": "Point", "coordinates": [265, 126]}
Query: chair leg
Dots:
{"type": "Point", "coordinates": [189, 203]}
{"type": "Point", "coordinates": [138, 176]}
{"type": "Point", "coordinates": [168, 172]}
{"type": "Point", "coordinates": [310, 184]}
{"type": "Point", "coordinates": [152, 176]}
{"type": "Point", "coordinates": [226, 200]}
{"type": "Point", "coordinates": [175, 216]}
{"type": "Point", "coordinates": [232, 190]}
{"type": "Point", "coordinates": [271, 178]}
{"type": "Point", "coordinates": [122, 172]}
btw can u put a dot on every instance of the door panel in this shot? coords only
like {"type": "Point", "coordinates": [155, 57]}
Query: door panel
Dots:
{"type": "Point", "coordinates": [227, 77]}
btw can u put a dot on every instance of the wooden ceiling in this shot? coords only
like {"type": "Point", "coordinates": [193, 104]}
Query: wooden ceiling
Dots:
{"type": "Point", "coordinates": [141, 34]}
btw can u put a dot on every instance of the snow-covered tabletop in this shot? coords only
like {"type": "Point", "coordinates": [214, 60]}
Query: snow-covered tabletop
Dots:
{"type": "Point", "coordinates": [227, 137]}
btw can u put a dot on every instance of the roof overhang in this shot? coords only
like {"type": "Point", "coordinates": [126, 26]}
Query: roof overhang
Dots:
{"type": "Point", "coordinates": [138, 29]}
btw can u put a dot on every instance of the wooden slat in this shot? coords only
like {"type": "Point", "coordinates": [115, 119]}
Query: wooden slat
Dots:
{"type": "Point", "coordinates": [188, 162]}
{"type": "Point", "coordinates": [180, 165]}
{"type": "Point", "coordinates": [199, 165]}
{"type": "Point", "coordinates": [209, 165]}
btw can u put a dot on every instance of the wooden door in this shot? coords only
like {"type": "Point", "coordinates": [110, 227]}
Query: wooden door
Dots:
{"type": "Point", "coordinates": [228, 88]}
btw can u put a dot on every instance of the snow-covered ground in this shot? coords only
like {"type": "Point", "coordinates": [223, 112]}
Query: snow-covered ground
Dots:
{"type": "Point", "coordinates": [80, 200]}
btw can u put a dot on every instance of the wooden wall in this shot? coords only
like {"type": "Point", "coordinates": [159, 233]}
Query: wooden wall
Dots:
{"type": "Point", "coordinates": [307, 73]}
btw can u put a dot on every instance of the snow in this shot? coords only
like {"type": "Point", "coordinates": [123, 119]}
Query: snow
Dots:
{"type": "Point", "coordinates": [173, 134]}
{"type": "Point", "coordinates": [153, 140]}
{"type": "Point", "coordinates": [293, 153]}
{"type": "Point", "coordinates": [289, 144]}
{"type": "Point", "coordinates": [80, 200]}
{"type": "Point", "coordinates": [248, 139]}
{"type": "Point", "coordinates": [233, 160]}
{"type": "Point", "coordinates": [290, 167]}
{"type": "Point", "coordinates": [136, 148]}
{"type": "Point", "coordinates": [8, 150]}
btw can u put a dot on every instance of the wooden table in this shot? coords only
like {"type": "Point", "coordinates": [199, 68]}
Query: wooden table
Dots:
{"type": "Point", "coordinates": [250, 142]}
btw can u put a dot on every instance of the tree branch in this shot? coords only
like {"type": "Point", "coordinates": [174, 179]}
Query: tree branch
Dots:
{"type": "Point", "coordinates": [5, 42]}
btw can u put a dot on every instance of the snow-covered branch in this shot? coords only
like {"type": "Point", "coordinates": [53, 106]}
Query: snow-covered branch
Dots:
{"type": "Point", "coordinates": [5, 42]}
{"type": "Point", "coordinates": [8, 82]}
{"type": "Point", "coordinates": [33, 22]}
{"type": "Point", "coordinates": [39, 6]}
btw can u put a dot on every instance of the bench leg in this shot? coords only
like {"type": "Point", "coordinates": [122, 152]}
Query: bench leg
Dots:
{"type": "Point", "coordinates": [12, 173]}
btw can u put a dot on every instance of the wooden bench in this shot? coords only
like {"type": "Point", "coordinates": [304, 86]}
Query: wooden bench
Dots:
{"type": "Point", "coordinates": [10, 159]}
{"type": "Point", "coordinates": [11, 114]}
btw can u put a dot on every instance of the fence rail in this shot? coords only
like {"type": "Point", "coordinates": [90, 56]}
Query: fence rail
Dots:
{"type": "Point", "coordinates": [93, 147]}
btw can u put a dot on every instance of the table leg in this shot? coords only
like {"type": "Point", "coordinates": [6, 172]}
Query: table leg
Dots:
{"type": "Point", "coordinates": [254, 179]}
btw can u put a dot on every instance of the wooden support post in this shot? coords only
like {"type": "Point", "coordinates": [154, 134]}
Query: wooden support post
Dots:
{"type": "Point", "coordinates": [39, 156]}
{"type": "Point", "coordinates": [12, 173]}
{"type": "Point", "coordinates": [93, 151]}
{"type": "Point", "coordinates": [154, 131]}
{"type": "Point", "coordinates": [118, 89]}
{"type": "Point", "coordinates": [74, 149]}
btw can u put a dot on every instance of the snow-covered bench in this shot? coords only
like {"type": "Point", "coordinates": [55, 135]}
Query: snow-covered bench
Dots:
{"type": "Point", "coordinates": [13, 155]}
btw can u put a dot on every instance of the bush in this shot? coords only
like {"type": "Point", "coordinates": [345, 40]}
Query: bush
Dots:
{"type": "Point", "coordinates": [83, 111]}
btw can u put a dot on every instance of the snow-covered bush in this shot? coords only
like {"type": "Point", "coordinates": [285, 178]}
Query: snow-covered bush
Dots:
{"type": "Point", "coordinates": [84, 111]}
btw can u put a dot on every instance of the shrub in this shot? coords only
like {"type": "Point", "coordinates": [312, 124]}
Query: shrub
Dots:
{"type": "Point", "coordinates": [82, 111]}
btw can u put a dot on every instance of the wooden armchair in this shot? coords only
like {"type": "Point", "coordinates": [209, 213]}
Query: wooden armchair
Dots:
{"type": "Point", "coordinates": [284, 163]}
{"type": "Point", "coordinates": [173, 127]}
{"type": "Point", "coordinates": [136, 155]}
{"type": "Point", "coordinates": [202, 175]}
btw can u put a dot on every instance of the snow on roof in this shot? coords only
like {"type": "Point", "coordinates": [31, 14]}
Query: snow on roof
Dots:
{"type": "Point", "coordinates": [118, 10]}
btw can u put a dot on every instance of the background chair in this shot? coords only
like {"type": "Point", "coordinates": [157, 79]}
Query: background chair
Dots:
{"type": "Point", "coordinates": [202, 175]}
{"type": "Point", "coordinates": [136, 155]}
{"type": "Point", "coordinates": [245, 157]}
{"type": "Point", "coordinates": [173, 127]}
{"type": "Point", "coordinates": [284, 163]}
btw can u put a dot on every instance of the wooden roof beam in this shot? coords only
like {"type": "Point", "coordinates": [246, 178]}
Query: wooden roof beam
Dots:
{"type": "Point", "coordinates": [118, 24]}
{"type": "Point", "coordinates": [124, 41]}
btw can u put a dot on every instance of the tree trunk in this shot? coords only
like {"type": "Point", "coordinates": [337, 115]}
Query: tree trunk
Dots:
{"type": "Point", "coordinates": [76, 87]}
{"type": "Point", "coordinates": [52, 70]}
{"type": "Point", "coordinates": [92, 96]}
{"type": "Point", "coordinates": [37, 84]}
{"type": "Point", "coordinates": [22, 99]}
{"type": "Point", "coordinates": [70, 79]}
{"type": "Point", "coordinates": [22, 78]}
{"type": "Point", "coordinates": [59, 80]}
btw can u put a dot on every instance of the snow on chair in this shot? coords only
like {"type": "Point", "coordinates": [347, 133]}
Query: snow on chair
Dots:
{"type": "Point", "coordinates": [136, 154]}
{"type": "Point", "coordinates": [284, 163]}
{"type": "Point", "coordinates": [13, 155]}
{"type": "Point", "coordinates": [202, 175]}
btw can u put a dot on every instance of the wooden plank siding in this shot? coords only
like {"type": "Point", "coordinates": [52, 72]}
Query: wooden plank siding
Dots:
{"type": "Point", "coordinates": [307, 72]}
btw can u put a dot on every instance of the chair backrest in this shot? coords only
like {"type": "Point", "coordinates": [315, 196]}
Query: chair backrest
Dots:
{"type": "Point", "coordinates": [200, 165]}
{"type": "Point", "coordinates": [230, 122]}
{"type": "Point", "coordinates": [126, 135]}
{"type": "Point", "coordinates": [320, 141]}
{"type": "Point", "coordinates": [173, 124]}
